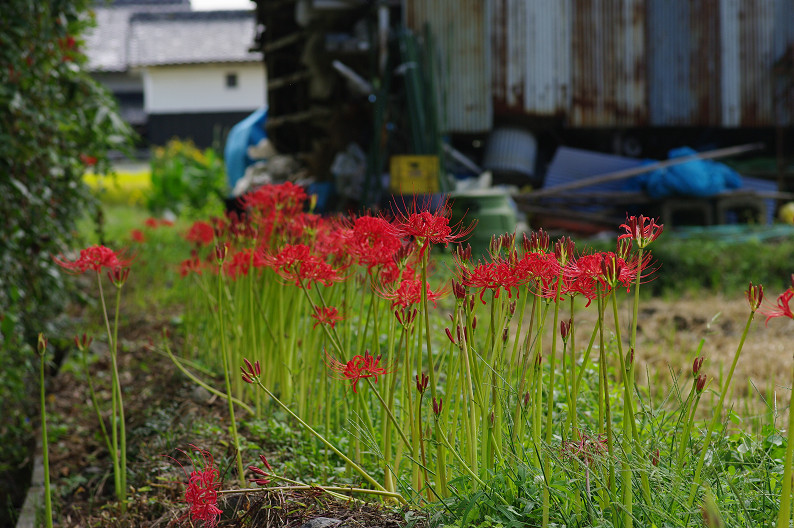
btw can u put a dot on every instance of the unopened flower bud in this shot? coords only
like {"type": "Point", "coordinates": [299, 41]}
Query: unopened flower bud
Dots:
{"type": "Point", "coordinates": [221, 250]}
{"type": "Point", "coordinates": [630, 357]}
{"type": "Point", "coordinates": [526, 398]}
{"type": "Point", "coordinates": [565, 327]}
{"type": "Point", "coordinates": [655, 457]}
{"type": "Point", "coordinates": [421, 383]}
{"type": "Point", "coordinates": [437, 406]}
{"type": "Point", "coordinates": [623, 249]}
{"type": "Point", "coordinates": [459, 290]}
{"type": "Point", "coordinates": [754, 294]}
{"type": "Point", "coordinates": [42, 344]}
{"type": "Point", "coordinates": [696, 365]}
{"type": "Point", "coordinates": [512, 308]}
{"type": "Point", "coordinates": [449, 335]}
{"type": "Point", "coordinates": [118, 276]}
{"type": "Point", "coordinates": [464, 254]}
{"type": "Point", "coordinates": [474, 323]}
{"type": "Point", "coordinates": [700, 384]}
{"type": "Point", "coordinates": [491, 419]}
{"type": "Point", "coordinates": [458, 332]}
{"type": "Point", "coordinates": [495, 245]}
{"type": "Point", "coordinates": [505, 335]}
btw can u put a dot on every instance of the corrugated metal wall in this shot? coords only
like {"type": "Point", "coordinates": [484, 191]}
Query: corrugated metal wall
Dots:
{"type": "Point", "coordinates": [531, 57]}
{"type": "Point", "coordinates": [461, 30]}
{"type": "Point", "coordinates": [612, 63]}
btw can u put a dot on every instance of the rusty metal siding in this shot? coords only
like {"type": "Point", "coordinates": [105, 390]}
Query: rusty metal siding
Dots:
{"type": "Point", "coordinates": [684, 64]}
{"type": "Point", "coordinates": [531, 57]}
{"type": "Point", "coordinates": [461, 31]}
{"type": "Point", "coordinates": [608, 74]}
{"type": "Point", "coordinates": [614, 63]}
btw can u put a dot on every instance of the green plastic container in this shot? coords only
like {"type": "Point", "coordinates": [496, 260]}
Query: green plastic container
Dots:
{"type": "Point", "coordinates": [490, 208]}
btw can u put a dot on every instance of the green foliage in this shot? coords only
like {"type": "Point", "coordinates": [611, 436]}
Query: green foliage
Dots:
{"type": "Point", "coordinates": [186, 180]}
{"type": "Point", "coordinates": [55, 120]}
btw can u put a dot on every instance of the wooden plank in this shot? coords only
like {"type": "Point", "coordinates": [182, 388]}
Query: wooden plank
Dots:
{"type": "Point", "coordinates": [634, 171]}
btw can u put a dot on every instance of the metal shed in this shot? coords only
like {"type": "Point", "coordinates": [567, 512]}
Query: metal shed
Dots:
{"type": "Point", "coordinates": [611, 63]}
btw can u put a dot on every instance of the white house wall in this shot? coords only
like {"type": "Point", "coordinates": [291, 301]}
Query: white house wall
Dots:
{"type": "Point", "coordinates": [202, 88]}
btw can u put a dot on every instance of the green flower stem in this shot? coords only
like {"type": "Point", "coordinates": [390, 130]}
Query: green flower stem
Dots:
{"type": "Point", "coordinates": [628, 422]}
{"type": "Point", "coordinates": [550, 406]}
{"type": "Point", "coordinates": [94, 402]}
{"type": "Point", "coordinates": [114, 397]}
{"type": "Point", "coordinates": [44, 442]}
{"type": "Point", "coordinates": [697, 478]}
{"type": "Point", "coordinates": [227, 381]}
{"type": "Point", "coordinates": [784, 514]}
{"type": "Point", "coordinates": [430, 367]}
{"type": "Point", "coordinates": [328, 444]}
{"type": "Point", "coordinates": [122, 421]}
{"type": "Point", "coordinates": [391, 416]}
{"type": "Point", "coordinates": [337, 489]}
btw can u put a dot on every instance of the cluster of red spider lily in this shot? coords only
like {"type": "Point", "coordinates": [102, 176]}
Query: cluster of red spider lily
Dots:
{"type": "Point", "coordinates": [305, 249]}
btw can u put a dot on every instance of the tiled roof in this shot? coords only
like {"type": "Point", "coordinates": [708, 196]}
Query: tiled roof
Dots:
{"type": "Point", "coordinates": [106, 44]}
{"type": "Point", "coordinates": [192, 37]}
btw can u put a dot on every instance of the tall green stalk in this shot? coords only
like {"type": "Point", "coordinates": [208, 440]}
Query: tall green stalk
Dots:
{"type": "Point", "coordinates": [45, 448]}
{"type": "Point", "coordinates": [784, 514]}
{"type": "Point", "coordinates": [717, 417]}
{"type": "Point", "coordinates": [227, 378]}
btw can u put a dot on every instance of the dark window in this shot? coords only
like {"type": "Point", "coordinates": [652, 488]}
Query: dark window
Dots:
{"type": "Point", "coordinates": [231, 80]}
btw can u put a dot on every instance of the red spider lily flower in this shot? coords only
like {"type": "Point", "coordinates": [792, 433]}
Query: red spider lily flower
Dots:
{"type": "Point", "coordinates": [286, 198]}
{"type": "Point", "coordinates": [200, 233]}
{"type": "Point", "coordinates": [241, 262]}
{"type": "Point", "coordinates": [202, 490]}
{"type": "Point", "coordinates": [373, 241]}
{"type": "Point", "coordinates": [408, 293]}
{"type": "Point", "coordinates": [151, 222]}
{"type": "Point", "coordinates": [296, 263]}
{"type": "Point", "coordinates": [358, 368]}
{"type": "Point", "coordinates": [88, 160]}
{"type": "Point", "coordinates": [642, 230]}
{"type": "Point", "coordinates": [497, 275]}
{"type": "Point", "coordinates": [137, 236]}
{"type": "Point", "coordinates": [754, 295]}
{"type": "Point", "coordinates": [191, 265]}
{"type": "Point", "coordinates": [327, 316]}
{"type": "Point", "coordinates": [783, 308]}
{"type": "Point", "coordinates": [427, 227]}
{"type": "Point", "coordinates": [95, 258]}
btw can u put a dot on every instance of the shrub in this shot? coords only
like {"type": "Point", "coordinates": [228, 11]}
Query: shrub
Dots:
{"type": "Point", "coordinates": [186, 180]}
{"type": "Point", "coordinates": [55, 121]}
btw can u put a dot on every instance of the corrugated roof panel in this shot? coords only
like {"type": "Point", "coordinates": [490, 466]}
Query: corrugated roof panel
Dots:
{"type": "Point", "coordinates": [608, 73]}
{"type": "Point", "coordinates": [461, 31]}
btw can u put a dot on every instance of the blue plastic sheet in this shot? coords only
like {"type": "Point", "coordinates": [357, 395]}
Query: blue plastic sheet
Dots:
{"type": "Point", "coordinates": [699, 178]}
{"type": "Point", "coordinates": [250, 131]}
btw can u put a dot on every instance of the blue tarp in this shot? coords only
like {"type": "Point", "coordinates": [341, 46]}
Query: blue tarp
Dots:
{"type": "Point", "coordinates": [700, 178]}
{"type": "Point", "coordinates": [250, 131]}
